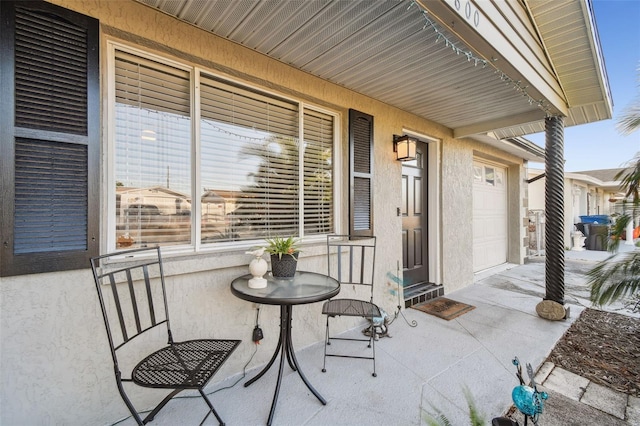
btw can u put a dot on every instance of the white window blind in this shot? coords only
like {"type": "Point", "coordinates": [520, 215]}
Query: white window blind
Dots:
{"type": "Point", "coordinates": [250, 163]}
{"type": "Point", "coordinates": [250, 160]}
{"type": "Point", "coordinates": [318, 172]}
{"type": "Point", "coordinates": [152, 152]}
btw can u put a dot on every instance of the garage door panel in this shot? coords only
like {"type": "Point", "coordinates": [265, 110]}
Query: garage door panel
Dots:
{"type": "Point", "coordinates": [489, 216]}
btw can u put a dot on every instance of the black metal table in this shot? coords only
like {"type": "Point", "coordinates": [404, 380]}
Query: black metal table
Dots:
{"type": "Point", "coordinates": [303, 288]}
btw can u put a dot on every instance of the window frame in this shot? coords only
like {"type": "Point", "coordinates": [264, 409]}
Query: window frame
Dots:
{"type": "Point", "coordinates": [196, 71]}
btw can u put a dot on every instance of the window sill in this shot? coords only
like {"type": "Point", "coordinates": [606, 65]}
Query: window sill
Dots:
{"type": "Point", "coordinates": [177, 262]}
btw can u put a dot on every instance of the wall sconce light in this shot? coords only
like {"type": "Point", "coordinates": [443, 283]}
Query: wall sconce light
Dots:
{"type": "Point", "coordinates": [404, 147]}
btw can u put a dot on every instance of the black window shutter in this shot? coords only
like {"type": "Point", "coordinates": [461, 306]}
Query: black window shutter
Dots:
{"type": "Point", "coordinates": [360, 173]}
{"type": "Point", "coordinates": [50, 135]}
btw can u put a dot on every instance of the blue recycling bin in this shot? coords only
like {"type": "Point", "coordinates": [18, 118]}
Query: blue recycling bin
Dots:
{"type": "Point", "coordinates": [598, 219]}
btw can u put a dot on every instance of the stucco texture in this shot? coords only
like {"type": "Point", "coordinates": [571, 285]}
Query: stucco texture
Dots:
{"type": "Point", "coordinates": [54, 359]}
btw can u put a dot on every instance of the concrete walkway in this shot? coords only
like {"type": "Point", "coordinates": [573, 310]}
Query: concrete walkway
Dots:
{"type": "Point", "coordinates": [426, 369]}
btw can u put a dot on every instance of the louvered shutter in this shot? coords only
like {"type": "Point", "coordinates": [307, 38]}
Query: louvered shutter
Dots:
{"type": "Point", "coordinates": [50, 196]}
{"type": "Point", "coordinates": [50, 138]}
{"type": "Point", "coordinates": [360, 173]}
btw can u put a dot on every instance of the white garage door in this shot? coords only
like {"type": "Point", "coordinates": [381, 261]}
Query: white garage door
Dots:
{"type": "Point", "coordinates": [489, 216]}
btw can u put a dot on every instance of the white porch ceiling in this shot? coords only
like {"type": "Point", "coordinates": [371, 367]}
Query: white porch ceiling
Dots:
{"type": "Point", "coordinates": [381, 49]}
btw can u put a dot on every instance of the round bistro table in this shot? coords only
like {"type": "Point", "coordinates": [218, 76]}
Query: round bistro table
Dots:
{"type": "Point", "coordinates": [303, 288]}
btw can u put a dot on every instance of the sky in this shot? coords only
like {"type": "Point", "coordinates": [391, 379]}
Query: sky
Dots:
{"type": "Point", "coordinates": [600, 145]}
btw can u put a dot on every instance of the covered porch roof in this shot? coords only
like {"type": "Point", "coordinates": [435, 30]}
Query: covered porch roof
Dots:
{"type": "Point", "coordinates": [491, 71]}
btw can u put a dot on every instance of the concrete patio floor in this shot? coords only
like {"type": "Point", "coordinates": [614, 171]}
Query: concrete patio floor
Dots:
{"type": "Point", "coordinates": [427, 368]}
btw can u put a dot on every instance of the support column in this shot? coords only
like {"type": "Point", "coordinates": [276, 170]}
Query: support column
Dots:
{"type": "Point", "coordinates": [552, 307]}
{"type": "Point", "coordinates": [629, 232]}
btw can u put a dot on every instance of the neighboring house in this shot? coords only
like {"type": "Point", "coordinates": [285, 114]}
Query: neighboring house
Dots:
{"type": "Point", "coordinates": [586, 193]}
{"type": "Point", "coordinates": [153, 215]}
{"type": "Point", "coordinates": [284, 114]}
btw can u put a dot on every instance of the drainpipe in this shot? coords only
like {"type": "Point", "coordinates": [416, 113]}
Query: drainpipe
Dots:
{"type": "Point", "coordinates": [552, 307]}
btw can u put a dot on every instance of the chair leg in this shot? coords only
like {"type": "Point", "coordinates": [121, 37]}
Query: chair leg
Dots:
{"type": "Point", "coordinates": [132, 409]}
{"type": "Point", "coordinates": [372, 344]}
{"type": "Point", "coordinates": [156, 410]}
{"type": "Point", "coordinates": [326, 342]}
{"type": "Point", "coordinates": [211, 409]}
{"type": "Point", "coordinates": [127, 401]}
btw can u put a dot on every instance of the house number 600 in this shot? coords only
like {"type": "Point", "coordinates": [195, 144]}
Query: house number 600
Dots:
{"type": "Point", "coordinates": [470, 12]}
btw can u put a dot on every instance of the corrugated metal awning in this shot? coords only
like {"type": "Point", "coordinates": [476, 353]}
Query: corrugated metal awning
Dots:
{"type": "Point", "coordinates": [387, 50]}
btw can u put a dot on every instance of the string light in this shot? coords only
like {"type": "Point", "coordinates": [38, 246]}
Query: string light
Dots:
{"type": "Point", "coordinates": [517, 85]}
{"type": "Point", "coordinates": [248, 138]}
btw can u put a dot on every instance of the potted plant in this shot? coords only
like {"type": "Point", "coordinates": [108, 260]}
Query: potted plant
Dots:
{"type": "Point", "coordinates": [284, 256]}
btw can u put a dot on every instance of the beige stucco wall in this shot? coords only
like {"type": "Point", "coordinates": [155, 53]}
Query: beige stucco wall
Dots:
{"type": "Point", "coordinates": [536, 189]}
{"type": "Point", "coordinates": [54, 352]}
{"type": "Point", "coordinates": [537, 202]}
{"type": "Point", "coordinates": [575, 201]}
{"type": "Point", "coordinates": [457, 248]}
{"type": "Point", "coordinates": [457, 208]}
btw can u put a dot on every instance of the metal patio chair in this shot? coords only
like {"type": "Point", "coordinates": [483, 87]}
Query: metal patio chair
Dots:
{"type": "Point", "coordinates": [132, 294]}
{"type": "Point", "coordinates": [351, 260]}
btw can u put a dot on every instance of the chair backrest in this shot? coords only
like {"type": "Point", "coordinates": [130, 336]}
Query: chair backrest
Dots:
{"type": "Point", "coordinates": [131, 290]}
{"type": "Point", "coordinates": [351, 259]}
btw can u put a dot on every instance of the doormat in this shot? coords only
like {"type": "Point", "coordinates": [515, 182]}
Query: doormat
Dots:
{"type": "Point", "coordinates": [444, 308]}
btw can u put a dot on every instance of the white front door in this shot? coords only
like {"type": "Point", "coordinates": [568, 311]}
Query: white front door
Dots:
{"type": "Point", "coordinates": [489, 215]}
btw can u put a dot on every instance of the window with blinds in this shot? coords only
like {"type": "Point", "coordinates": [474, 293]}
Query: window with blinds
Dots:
{"type": "Point", "coordinates": [256, 178]}
{"type": "Point", "coordinates": [152, 152]}
{"type": "Point", "coordinates": [250, 158]}
{"type": "Point", "coordinates": [318, 172]}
